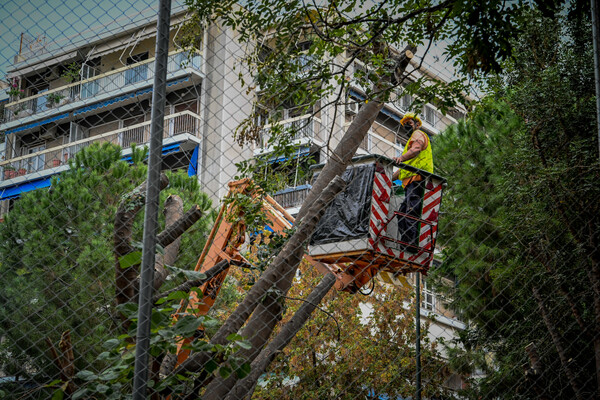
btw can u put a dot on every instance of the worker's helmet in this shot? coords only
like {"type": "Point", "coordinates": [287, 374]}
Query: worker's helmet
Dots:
{"type": "Point", "coordinates": [412, 116]}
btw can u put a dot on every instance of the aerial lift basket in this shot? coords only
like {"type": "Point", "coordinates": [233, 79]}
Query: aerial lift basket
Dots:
{"type": "Point", "coordinates": [360, 227]}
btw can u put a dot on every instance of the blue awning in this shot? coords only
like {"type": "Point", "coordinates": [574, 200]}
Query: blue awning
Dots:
{"type": "Point", "coordinates": [103, 103]}
{"type": "Point", "coordinates": [302, 151]}
{"type": "Point", "coordinates": [38, 123]}
{"type": "Point", "coordinates": [168, 149]}
{"type": "Point", "coordinates": [193, 167]}
{"type": "Point", "coordinates": [16, 191]}
{"type": "Point", "coordinates": [176, 81]}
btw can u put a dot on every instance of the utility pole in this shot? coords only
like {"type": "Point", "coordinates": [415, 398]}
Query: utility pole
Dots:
{"type": "Point", "coordinates": [142, 350]}
{"type": "Point", "coordinates": [596, 40]}
{"type": "Point", "coordinates": [418, 334]}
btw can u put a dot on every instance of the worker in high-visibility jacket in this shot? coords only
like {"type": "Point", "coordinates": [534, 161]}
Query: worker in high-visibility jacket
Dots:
{"type": "Point", "coordinates": [417, 153]}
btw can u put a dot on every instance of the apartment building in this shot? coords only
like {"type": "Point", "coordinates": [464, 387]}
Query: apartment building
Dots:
{"type": "Point", "coordinates": [62, 98]}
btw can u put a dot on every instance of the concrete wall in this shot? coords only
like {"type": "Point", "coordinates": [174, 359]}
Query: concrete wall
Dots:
{"type": "Point", "coordinates": [226, 104]}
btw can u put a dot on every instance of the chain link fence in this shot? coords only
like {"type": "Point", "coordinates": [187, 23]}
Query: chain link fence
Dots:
{"type": "Point", "coordinates": [478, 278]}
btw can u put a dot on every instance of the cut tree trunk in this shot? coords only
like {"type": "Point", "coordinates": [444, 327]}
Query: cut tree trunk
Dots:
{"type": "Point", "coordinates": [173, 210]}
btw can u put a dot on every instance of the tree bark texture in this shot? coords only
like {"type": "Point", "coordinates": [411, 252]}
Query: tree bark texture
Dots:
{"type": "Point", "coordinates": [564, 359]}
{"type": "Point", "coordinates": [131, 204]}
{"type": "Point", "coordinates": [535, 371]}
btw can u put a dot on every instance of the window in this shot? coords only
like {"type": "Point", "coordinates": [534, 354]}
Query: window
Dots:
{"type": "Point", "coordinates": [430, 115]}
{"type": "Point", "coordinates": [405, 101]}
{"type": "Point", "coordinates": [138, 73]}
{"type": "Point", "coordinates": [76, 133]}
{"type": "Point", "coordinates": [428, 297]}
{"type": "Point", "coordinates": [35, 163]}
{"type": "Point", "coordinates": [40, 102]}
{"type": "Point", "coordinates": [88, 71]}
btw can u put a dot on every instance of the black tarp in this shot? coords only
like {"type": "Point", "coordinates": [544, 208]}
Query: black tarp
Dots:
{"type": "Point", "coordinates": [348, 215]}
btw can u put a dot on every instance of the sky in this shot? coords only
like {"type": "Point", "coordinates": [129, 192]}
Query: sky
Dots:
{"type": "Point", "coordinates": [60, 23]}
{"type": "Point", "coordinates": [63, 21]}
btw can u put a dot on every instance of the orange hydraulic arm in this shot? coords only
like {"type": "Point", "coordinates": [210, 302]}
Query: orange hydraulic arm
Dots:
{"type": "Point", "coordinates": [224, 243]}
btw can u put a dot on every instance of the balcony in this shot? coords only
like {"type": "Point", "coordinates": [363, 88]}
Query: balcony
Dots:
{"type": "Point", "coordinates": [292, 197]}
{"type": "Point", "coordinates": [53, 160]}
{"type": "Point", "coordinates": [305, 127]}
{"type": "Point", "coordinates": [118, 81]}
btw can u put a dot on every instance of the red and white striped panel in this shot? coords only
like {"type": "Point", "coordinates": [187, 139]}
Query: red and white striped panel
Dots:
{"type": "Point", "coordinates": [431, 208]}
{"type": "Point", "coordinates": [380, 206]}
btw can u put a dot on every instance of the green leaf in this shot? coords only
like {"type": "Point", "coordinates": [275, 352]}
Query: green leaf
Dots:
{"type": "Point", "coordinates": [234, 336]}
{"type": "Point", "coordinates": [178, 295]}
{"type": "Point", "coordinates": [193, 275]}
{"type": "Point", "coordinates": [211, 366]}
{"type": "Point", "coordinates": [130, 310]}
{"type": "Point", "coordinates": [243, 370]}
{"type": "Point", "coordinates": [109, 374]}
{"type": "Point", "coordinates": [187, 325]}
{"type": "Point", "coordinates": [79, 394]}
{"type": "Point", "coordinates": [244, 344]}
{"type": "Point", "coordinates": [102, 388]}
{"type": "Point", "coordinates": [224, 372]}
{"type": "Point", "coordinates": [86, 375]}
{"type": "Point", "coordinates": [112, 343]}
{"type": "Point", "coordinates": [58, 394]}
{"type": "Point", "coordinates": [131, 259]}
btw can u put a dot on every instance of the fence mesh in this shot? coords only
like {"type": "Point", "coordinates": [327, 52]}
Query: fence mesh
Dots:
{"type": "Point", "coordinates": [499, 240]}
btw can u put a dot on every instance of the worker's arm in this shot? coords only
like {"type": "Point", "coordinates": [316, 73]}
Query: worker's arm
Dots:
{"type": "Point", "coordinates": [416, 146]}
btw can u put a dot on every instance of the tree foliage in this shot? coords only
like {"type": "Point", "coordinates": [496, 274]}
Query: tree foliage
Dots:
{"type": "Point", "coordinates": [57, 263]}
{"type": "Point", "coordinates": [521, 220]}
{"type": "Point", "coordinates": [354, 347]}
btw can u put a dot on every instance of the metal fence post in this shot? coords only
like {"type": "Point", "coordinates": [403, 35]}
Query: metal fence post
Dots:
{"type": "Point", "coordinates": [151, 213]}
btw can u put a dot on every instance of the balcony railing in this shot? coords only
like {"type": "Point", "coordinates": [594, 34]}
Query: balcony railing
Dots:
{"type": "Point", "coordinates": [305, 127]}
{"type": "Point", "coordinates": [292, 197]}
{"type": "Point", "coordinates": [183, 122]}
{"type": "Point", "coordinates": [119, 80]}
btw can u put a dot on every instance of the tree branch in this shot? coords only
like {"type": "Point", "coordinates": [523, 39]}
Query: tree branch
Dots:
{"type": "Point", "coordinates": [246, 386]}
{"type": "Point", "coordinates": [129, 206]}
